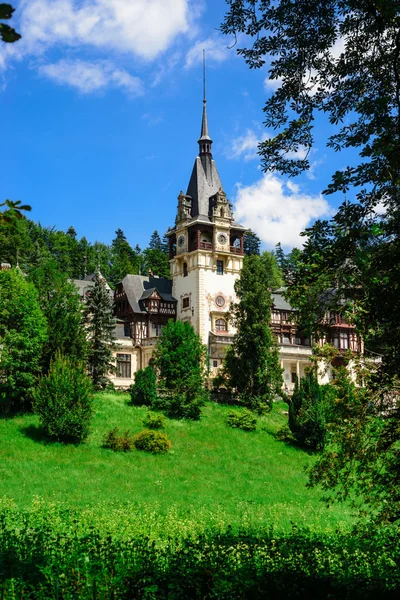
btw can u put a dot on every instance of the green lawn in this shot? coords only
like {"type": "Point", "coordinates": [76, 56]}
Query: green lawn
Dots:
{"type": "Point", "coordinates": [211, 469]}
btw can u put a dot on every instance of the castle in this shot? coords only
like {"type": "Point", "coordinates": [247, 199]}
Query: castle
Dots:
{"type": "Point", "coordinates": [206, 251]}
{"type": "Point", "coordinates": [206, 256]}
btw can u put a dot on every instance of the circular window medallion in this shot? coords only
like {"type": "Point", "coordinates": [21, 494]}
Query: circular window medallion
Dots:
{"type": "Point", "coordinates": [220, 301]}
{"type": "Point", "coordinates": [181, 240]}
{"type": "Point", "coordinates": [222, 238]}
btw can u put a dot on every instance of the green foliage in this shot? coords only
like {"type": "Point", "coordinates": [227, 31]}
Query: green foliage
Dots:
{"type": "Point", "coordinates": [100, 324]}
{"type": "Point", "coordinates": [152, 441]}
{"type": "Point", "coordinates": [62, 307]}
{"type": "Point", "coordinates": [125, 260]}
{"type": "Point", "coordinates": [272, 270]}
{"type": "Point", "coordinates": [154, 421]}
{"type": "Point", "coordinates": [7, 33]}
{"type": "Point", "coordinates": [251, 243]}
{"type": "Point", "coordinates": [50, 552]}
{"type": "Point", "coordinates": [243, 419]}
{"type": "Point", "coordinates": [144, 390]}
{"type": "Point", "coordinates": [180, 363]}
{"type": "Point", "coordinates": [113, 440]}
{"type": "Point", "coordinates": [251, 364]}
{"type": "Point", "coordinates": [361, 462]}
{"type": "Point", "coordinates": [156, 256]}
{"type": "Point", "coordinates": [63, 400]}
{"type": "Point", "coordinates": [22, 334]}
{"type": "Point", "coordinates": [310, 411]}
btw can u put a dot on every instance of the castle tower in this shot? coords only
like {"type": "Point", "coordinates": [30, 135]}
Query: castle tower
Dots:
{"type": "Point", "coordinates": [206, 251]}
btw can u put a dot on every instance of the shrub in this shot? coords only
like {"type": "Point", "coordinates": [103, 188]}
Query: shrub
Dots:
{"type": "Point", "coordinates": [310, 410]}
{"type": "Point", "coordinates": [63, 400]}
{"type": "Point", "coordinates": [154, 421]}
{"type": "Point", "coordinates": [113, 440]}
{"type": "Point", "coordinates": [181, 404]}
{"type": "Point", "coordinates": [243, 419]}
{"type": "Point", "coordinates": [152, 441]}
{"type": "Point", "coordinates": [143, 391]}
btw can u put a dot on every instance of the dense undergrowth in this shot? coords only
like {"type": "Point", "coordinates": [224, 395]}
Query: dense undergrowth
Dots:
{"type": "Point", "coordinates": [50, 552]}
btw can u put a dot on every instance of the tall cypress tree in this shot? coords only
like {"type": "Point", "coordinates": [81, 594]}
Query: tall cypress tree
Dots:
{"type": "Point", "coordinates": [252, 362]}
{"type": "Point", "coordinates": [101, 331]}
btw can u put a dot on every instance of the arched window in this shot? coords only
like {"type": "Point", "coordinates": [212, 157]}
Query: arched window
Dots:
{"type": "Point", "coordinates": [222, 212]}
{"type": "Point", "coordinates": [185, 270]}
{"type": "Point", "coordinates": [220, 325]}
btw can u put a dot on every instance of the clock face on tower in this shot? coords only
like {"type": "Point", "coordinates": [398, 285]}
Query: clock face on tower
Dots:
{"type": "Point", "coordinates": [181, 240]}
{"type": "Point", "coordinates": [222, 238]}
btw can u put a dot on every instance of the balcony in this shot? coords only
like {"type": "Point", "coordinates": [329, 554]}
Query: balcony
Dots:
{"type": "Point", "coordinates": [200, 246]}
{"type": "Point", "coordinates": [235, 250]}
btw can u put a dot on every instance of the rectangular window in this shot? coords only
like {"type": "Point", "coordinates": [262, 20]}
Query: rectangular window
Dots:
{"type": "Point", "coordinates": [215, 363]}
{"type": "Point", "coordinates": [344, 340]}
{"type": "Point", "coordinates": [124, 365]}
{"type": "Point", "coordinates": [127, 330]}
{"type": "Point", "coordinates": [220, 267]}
{"type": "Point", "coordinates": [185, 302]}
{"type": "Point", "coordinates": [294, 374]}
{"type": "Point", "coordinates": [285, 338]}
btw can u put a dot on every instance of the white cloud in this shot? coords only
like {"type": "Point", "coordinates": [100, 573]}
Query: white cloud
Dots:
{"type": "Point", "coordinates": [246, 145]}
{"type": "Point", "coordinates": [278, 211]}
{"type": "Point", "coordinates": [89, 77]}
{"type": "Point", "coordinates": [216, 51]}
{"type": "Point", "coordinates": [272, 84]}
{"type": "Point", "coordinates": [144, 28]}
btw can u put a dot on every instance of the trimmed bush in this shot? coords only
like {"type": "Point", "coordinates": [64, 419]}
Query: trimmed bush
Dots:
{"type": "Point", "coordinates": [243, 419]}
{"type": "Point", "coordinates": [143, 391]}
{"type": "Point", "coordinates": [113, 440]}
{"type": "Point", "coordinates": [154, 421]}
{"type": "Point", "coordinates": [63, 400]}
{"type": "Point", "coordinates": [152, 441]}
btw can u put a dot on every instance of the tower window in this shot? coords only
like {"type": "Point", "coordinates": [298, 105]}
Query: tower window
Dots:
{"type": "Point", "coordinates": [185, 302]}
{"type": "Point", "coordinates": [185, 270]}
{"type": "Point", "coordinates": [220, 267]}
{"type": "Point", "coordinates": [220, 325]}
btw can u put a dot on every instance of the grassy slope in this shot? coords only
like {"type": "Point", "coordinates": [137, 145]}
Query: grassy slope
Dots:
{"type": "Point", "coordinates": [210, 467]}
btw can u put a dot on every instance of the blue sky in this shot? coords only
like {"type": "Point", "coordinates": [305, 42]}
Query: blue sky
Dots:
{"type": "Point", "coordinates": [101, 106]}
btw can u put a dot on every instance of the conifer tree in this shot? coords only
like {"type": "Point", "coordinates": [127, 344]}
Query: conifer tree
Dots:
{"type": "Point", "coordinates": [101, 331]}
{"type": "Point", "coordinates": [252, 243]}
{"type": "Point", "coordinates": [22, 334]}
{"type": "Point", "coordinates": [156, 257]}
{"type": "Point", "coordinates": [63, 310]}
{"type": "Point", "coordinates": [251, 364]}
{"type": "Point", "coordinates": [124, 259]}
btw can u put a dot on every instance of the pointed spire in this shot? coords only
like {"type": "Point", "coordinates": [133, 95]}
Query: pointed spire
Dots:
{"type": "Point", "coordinates": [205, 142]}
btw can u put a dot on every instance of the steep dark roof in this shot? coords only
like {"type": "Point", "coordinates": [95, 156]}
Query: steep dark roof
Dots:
{"type": "Point", "coordinates": [204, 183]}
{"type": "Point", "coordinates": [139, 287]}
{"type": "Point", "coordinates": [279, 302]}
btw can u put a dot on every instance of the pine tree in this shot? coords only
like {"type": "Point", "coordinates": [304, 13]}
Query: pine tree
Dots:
{"type": "Point", "coordinates": [101, 331]}
{"type": "Point", "coordinates": [156, 257]}
{"type": "Point", "coordinates": [252, 243]}
{"type": "Point", "coordinates": [251, 364]}
{"type": "Point", "coordinates": [124, 259]}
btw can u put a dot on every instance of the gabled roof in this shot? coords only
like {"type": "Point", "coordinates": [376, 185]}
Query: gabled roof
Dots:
{"type": "Point", "coordinates": [279, 302]}
{"type": "Point", "coordinates": [140, 287]}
